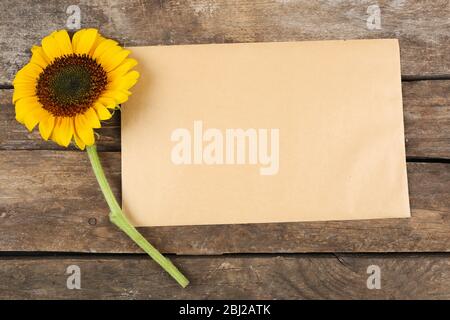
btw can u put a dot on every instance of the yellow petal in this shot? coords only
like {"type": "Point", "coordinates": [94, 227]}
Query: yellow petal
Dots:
{"type": "Point", "coordinates": [22, 90]}
{"type": "Point", "coordinates": [85, 41]}
{"type": "Point", "coordinates": [51, 47]}
{"type": "Point", "coordinates": [83, 130]}
{"type": "Point", "coordinates": [118, 95]}
{"type": "Point", "coordinates": [92, 118]}
{"type": "Point", "coordinates": [124, 67]}
{"type": "Point", "coordinates": [63, 40]}
{"type": "Point", "coordinates": [112, 58]}
{"type": "Point", "coordinates": [55, 134]}
{"type": "Point", "coordinates": [63, 131]}
{"type": "Point", "coordinates": [79, 142]}
{"type": "Point", "coordinates": [103, 46]}
{"type": "Point", "coordinates": [108, 102]}
{"type": "Point", "coordinates": [28, 74]}
{"type": "Point", "coordinates": [97, 42]}
{"type": "Point", "coordinates": [32, 118]}
{"type": "Point", "coordinates": [68, 125]}
{"type": "Point", "coordinates": [107, 54]}
{"type": "Point", "coordinates": [46, 126]}
{"type": "Point", "coordinates": [102, 112]}
{"type": "Point", "coordinates": [76, 38]}
{"type": "Point", "coordinates": [24, 106]}
{"type": "Point", "coordinates": [125, 82]}
{"type": "Point", "coordinates": [38, 57]}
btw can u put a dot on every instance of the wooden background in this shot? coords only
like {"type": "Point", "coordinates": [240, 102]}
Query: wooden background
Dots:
{"type": "Point", "coordinates": [52, 213]}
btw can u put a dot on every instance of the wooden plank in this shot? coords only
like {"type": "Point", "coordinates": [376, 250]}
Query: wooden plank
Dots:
{"type": "Point", "coordinates": [236, 277]}
{"type": "Point", "coordinates": [421, 26]}
{"type": "Point", "coordinates": [50, 201]}
{"type": "Point", "coordinates": [426, 113]}
{"type": "Point", "coordinates": [427, 118]}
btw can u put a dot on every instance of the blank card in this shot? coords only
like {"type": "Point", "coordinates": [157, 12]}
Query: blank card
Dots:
{"type": "Point", "coordinates": [265, 132]}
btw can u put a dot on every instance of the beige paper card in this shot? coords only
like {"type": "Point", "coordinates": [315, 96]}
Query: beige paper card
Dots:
{"type": "Point", "coordinates": [265, 132]}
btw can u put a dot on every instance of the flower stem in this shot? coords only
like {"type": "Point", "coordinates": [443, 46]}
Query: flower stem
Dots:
{"type": "Point", "coordinates": [118, 218]}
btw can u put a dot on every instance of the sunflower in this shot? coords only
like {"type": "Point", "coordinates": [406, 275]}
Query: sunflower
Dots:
{"type": "Point", "coordinates": [67, 88]}
{"type": "Point", "coordinates": [71, 84]}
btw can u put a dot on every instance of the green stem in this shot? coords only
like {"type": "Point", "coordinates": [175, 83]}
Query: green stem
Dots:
{"type": "Point", "coordinates": [118, 218]}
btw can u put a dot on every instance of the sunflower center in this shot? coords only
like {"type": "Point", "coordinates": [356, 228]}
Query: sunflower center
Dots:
{"type": "Point", "coordinates": [70, 85]}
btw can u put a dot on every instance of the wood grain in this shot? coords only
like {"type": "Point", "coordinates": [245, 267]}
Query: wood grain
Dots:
{"type": "Point", "coordinates": [244, 277]}
{"type": "Point", "coordinates": [421, 26]}
{"type": "Point", "coordinates": [50, 201]}
{"type": "Point", "coordinates": [426, 113]}
{"type": "Point", "coordinates": [427, 118]}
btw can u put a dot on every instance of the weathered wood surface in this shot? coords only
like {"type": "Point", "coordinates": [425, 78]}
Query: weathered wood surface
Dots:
{"type": "Point", "coordinates": [244, 277]}
{"type": "Point", "coordinates": [426, 109]}
{"type": "Point", "coordinates": [426, 106]}
{"type": "Point", "coordinates": [50, 201]}
{"type": "Point", "coordinates": [421, 26]}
